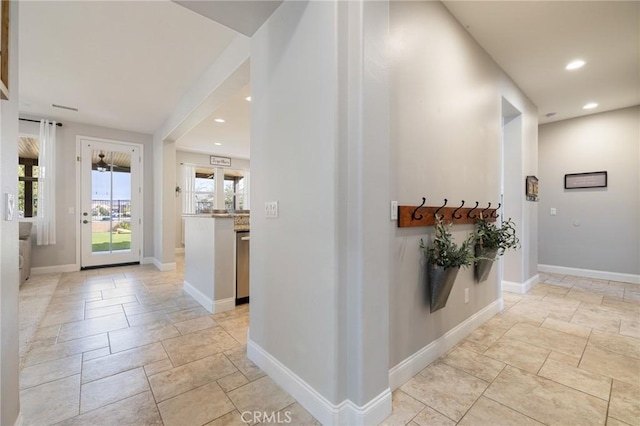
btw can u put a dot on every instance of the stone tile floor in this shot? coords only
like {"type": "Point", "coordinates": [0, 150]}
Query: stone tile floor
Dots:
{"type": "Point", "coordinates": [126, 346]}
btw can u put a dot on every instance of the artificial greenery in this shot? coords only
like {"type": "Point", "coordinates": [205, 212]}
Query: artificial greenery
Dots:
{"type": "Point", "coordinates": [444, 251]}
{"type": "Point", "coordinates": [487, 235]}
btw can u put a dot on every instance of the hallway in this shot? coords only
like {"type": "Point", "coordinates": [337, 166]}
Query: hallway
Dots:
{"type": "Point", "coordinates": [126, 346]}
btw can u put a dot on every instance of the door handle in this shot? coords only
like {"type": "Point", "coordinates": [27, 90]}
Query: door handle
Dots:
{"type": "Point", "coordinates": [85, 221]}
{"type": "Point", "coordinates": [85, 214]}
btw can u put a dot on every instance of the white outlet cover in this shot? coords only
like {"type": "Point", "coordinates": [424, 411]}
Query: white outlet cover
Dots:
{"type": "Point", "coordinates": [271, 209]}
{"type": "Point", "coordinates": [394, 210]}
{"type": "Point", "coordinates": [9, 205]}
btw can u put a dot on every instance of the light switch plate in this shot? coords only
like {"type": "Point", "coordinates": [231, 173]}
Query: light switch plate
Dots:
{"type": "Point", "coordinates": [271, 209]}
{"type": "Point", "coordinates": [394, 210]}
{"type": "Point", "coordinates": [552, 211]}
{"type": "Point", "coordinates": [9, 206]}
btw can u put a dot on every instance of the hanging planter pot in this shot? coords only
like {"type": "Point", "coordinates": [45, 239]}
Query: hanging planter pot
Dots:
{"type": "Point", "coordinates": [440, 282]}
{"type": "Point", "coordinates": [484, 261]}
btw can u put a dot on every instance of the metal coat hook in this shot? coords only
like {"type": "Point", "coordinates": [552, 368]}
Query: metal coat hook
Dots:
{"type": "Point", "coordinates": [454, 212]}
{"type": "Point", "coordinates": [413, 215]}
{"type": "Point", "coordinates": [469, 212]}
{"type": "Point", "coordinates": [487, 208]}
{"type": "Point", "coordinates": [495, 212]}
{"type": "Point", "coordinates": [439, 208]}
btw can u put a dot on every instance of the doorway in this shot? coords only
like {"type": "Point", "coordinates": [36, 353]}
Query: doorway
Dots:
{"type": "Point", "coordinates": [110, 203]}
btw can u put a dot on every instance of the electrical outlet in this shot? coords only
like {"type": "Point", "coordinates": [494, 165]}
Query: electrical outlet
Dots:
{"type": "Point", "coordinates": [271, 209]}
{"type": "Point", "coordinates": [394, 210]}
{"type": "Point", "coordinates": [466, 295]}
{"type": "Point", "coordinates": [552, 211]}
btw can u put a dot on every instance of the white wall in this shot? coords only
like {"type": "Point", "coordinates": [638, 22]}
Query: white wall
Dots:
{"type": "Point", "coordinates": [198, 159]}
{"type": "Point", "coordinates": [446, 128]}
{"type": "Point", "coordinates": [9, 279]}
{"type": "Point", "coordinates": [596, 228]}
{"type": "Point", "coordinates": [63, 253]}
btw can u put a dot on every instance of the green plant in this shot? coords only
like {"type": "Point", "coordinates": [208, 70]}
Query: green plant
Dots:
{"type": "Point", "coordinates": [444, 251]}
{"type": "Point", "coordinates": [124, 225]}
{"type": "Point", "coordinates": [487, 235]}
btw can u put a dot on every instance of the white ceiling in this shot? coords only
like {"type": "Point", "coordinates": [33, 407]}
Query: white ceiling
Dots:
{"type": "Point", "coordinates": [124, 64]}
{"type": "Point", "coordinates": [534, 40]}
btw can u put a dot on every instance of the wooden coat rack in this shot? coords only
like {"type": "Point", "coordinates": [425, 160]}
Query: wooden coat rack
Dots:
{"type": "Point", "coordinates": [412, 216]}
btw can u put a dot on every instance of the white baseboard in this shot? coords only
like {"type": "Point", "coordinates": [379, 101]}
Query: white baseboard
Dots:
{"type": "Point", "coordinates": [518, 288]}
{"type": "Point", "coordinates": [147, 261]}
{"type": "Point", "coordinates": [224, 305]}
{"type": "Point", "coordinates": [345, 413]}
{"type": "Point", "coordinates": [57, 269]}
{"type": "Point", "coordinates": [163, 267]}
{"type": "Point", "coordinates": [589, 273]}
{"type": "Point", "coordinates": [179, 250]}
{"type": "Point", "coordinates": [19, 420]}
{"type": "Point", "coordinates": [411, 366]}
{"type": "Point", "coordinates": [200, 297]}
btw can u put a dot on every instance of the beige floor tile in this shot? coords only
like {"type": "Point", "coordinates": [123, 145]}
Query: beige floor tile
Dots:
{"type": "Point", "coordinates": [404, 408]}
{"type": "Point", "coordinates": [557, 308]}
{"type": "Point", "coordinates": [611, 364]}
{"type": "Point", "coordinates": [110, 302]}
{"type": "Point", "coordinates": [64, 317]}
{"type": "Point", "coordinates": [518, 354]}
{"type": "Point", "coordinates": [138, 410]}
{"type": "Point", "coordinates": [565, 359]}
{"type": "Point", "coordinates": [91, 287]}
{"type": "Point", "coordinates": [577, 378]}
{"type": "Point", "coordinates": [547, 338]}
{"type": "Point", "coordinates": [625, 402]}
{"type": "Point", "coordinates": [546, 401]}
{"type": "Point", "coordinates": [197, 345]}
{"type": "Point", "coordinates": [232, 381]}
{"type": "Point", "coordinates": [260, 395]}
{"type": "Point", "coordinates": [620, 304]}
{"type": "Point", "coordinates": [294, 414]}
{"type": "Point", "coordinates": [196, 407]}
{"type": "Point", "coordinates": [137, 308]}
{"type": "Point", "coordinates": [240, 334]}
{"type": "Point", "coordinates": [235, 322]}
{"type": "Point", "coordinates": [132, 337]}
{"type": "Point", "coordinates": [158, 367]}
{"type": "Point", "coordinates": [48, 332]}
{"type": "Point", "coordinates": [566, 327]}
{"type": "Point", "coordinates": [488, 412]}
{"type": "Point", "coordinates": [187, 314]}
{"type": "Point", "coordinates": [552, 289]}
{"type": "Point", "coordinates": [101, 312]}
{"type": "Point", "coordinates": [122, 361]}
{"type": "Point", "coordinates": [238, 357]}
{"type": "Point", "coordinates": [113, 388]}
{"type": "Point", "coordinates": [482, 338]}
{"type": "Point", "coordinates": [473, 363]}
{"type": "Point", "coordinates": [195, 324]}
{"type": "Point", "coordinates": [96, 353]}
{"type": "Point", "coordinates": [615, 422]}
{"type": "Point", "coordinates": [50, 371]}
{"type": "Point", "coordinates": [430, 417]}
{"type": "Point", "coordinates": [233, 418]}
{"type": "Point", "coordinates": [630, 328]}
{"type": "Point", "coordinates": [96, 295]}
{"type": "Point", "coordinates": [65, 349]}
{"type": "Point", "coordinates": [601, 318]}
{"type": "Point", "coordinates": [624, 345]}
{"type": "Point", "coordinates": [584, 296]}
{"type": "Point", "coordinates": [90, 327]}
{"type": "Point", "coordinates": [189, 376]}
{"type": "Point", "coordinates": [148, 318]}
{"type": "Point", "coordinates": [446, 389]}
{"type": "Point", "coordinates": [51, 402]}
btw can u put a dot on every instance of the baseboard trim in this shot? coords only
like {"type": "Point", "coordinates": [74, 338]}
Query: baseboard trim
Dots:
{"type": "Point", "coordinates": [163, 267]}
{"type": "Point", "coordinates": [147, 261]}
{"type": "Point", "coordinates": [590, 273]}
{"type": "Point", "coordinates": [179, 250]}
{"type": "Point", "coordinates": [415, 363]}
{"type": "Point", "coordinates": [57, 269]}
{"type": "Point", "coordinates": [518, 288]}
{"type": "Point", "coordinates": [224, 305]}
{"type": "Point", "coordinates": [345, 413]}
{"type": "Point", "coordinates": [19, 420]}
{"type": "Point", "coordinates": [200, 297]}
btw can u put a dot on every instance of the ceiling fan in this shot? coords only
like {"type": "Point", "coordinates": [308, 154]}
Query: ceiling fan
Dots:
{"type": "Point", "coordinates": [103, 166]}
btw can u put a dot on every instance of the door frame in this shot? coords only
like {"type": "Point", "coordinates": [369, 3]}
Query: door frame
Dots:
{"type": "Point", "coordinates": [78, 208]}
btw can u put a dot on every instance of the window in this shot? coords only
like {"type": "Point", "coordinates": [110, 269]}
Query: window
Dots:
{"type": "Point", "coordinates": [233, 192]}
{"type": "Point", "coordinates": [27, 187]}
{"type": "Point", "coordinates": [205, 190]}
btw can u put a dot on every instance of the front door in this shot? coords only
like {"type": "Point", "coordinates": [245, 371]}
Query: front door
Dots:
{"type": "Point", "coordinates": [111, 207]}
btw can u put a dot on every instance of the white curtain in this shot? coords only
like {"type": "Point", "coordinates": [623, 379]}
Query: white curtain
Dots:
{"type": "Point", "coordinates": [188, 189]}
{"type": "Point", "coordinates": [46, 219]}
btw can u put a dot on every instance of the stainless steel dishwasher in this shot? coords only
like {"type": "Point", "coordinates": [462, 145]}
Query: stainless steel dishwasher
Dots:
{"type": "Point", "coordinates": [242, 267]}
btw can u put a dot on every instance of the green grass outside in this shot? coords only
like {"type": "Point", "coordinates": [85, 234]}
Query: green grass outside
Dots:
{"type": "Point", "coordinates": [100, 241]}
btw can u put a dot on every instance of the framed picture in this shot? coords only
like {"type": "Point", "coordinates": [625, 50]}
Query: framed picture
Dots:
{"type": "Point", "coordinates": [531, 188]}
{"type": "Point", "coordinates": [585, 180]}
{"type": "Point", "coordinates": [220, 161]}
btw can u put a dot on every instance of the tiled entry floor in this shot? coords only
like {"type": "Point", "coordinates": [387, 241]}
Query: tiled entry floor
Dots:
{"type": "Point", "coordinates": [126, 346]}
{"type": "Point", "coordinates": [567, 353]}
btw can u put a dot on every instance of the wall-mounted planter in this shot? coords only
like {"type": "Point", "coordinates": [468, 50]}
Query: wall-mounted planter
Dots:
{"type": "Point", "coordinates": [482, 266]}
{"type": "Point", "coordinates": [440, 281]}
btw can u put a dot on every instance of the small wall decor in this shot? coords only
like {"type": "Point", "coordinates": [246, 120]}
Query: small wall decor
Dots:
{"type": "Point", "coordinates": [531, 188]}
{"type": "Point", "coordinates": [220, 161]}
{"type": "Point", "coordinates": [585, 180]}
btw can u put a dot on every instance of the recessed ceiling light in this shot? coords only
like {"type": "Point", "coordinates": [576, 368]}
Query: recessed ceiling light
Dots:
{"type": "Point", "coordinates": [550, 114]}
{"type": "Point", "coordinates": [574, 65]}
{"type": "Point", "coordinates": [248, 98]}
{"type": "Point", "coordinates": [217, 143]}
{"type": "Point", "coordinates": [590, 105]}
{"type": "Point", "coordinates": [218, 120]}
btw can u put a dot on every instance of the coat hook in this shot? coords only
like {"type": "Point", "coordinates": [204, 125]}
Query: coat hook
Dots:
{"type": "Point", "coordinates": [487, 208]}
{"type": "Point", "coordinates": [469, 212]}
{"type": "Point", "coordinates": [454, 212]}
{"type": "Point", "coordinates": [413, 215]}
{"type": "Point", "coordinates": [439, 208]}
{"type": "Point", "coordinates": [495, 212]}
